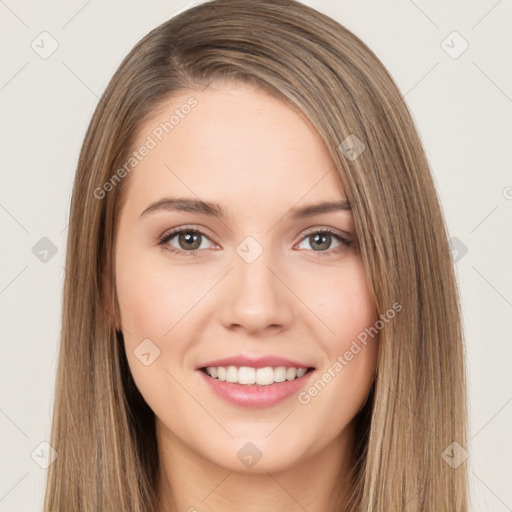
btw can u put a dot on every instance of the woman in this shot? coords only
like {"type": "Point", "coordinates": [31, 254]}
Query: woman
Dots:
{"type": "Point", "coordinates": [259, 309]}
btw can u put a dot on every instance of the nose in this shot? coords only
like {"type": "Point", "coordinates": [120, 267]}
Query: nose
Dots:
{"type": "Point", "coordinates": [257, 300]}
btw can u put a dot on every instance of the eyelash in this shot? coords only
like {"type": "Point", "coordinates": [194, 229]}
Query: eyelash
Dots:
{"type": "Point", "coordinates": [168, 236]}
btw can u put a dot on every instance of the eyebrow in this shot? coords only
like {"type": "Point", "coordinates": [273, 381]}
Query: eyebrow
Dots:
{"type": "Point", "coordinates": [216, 210]}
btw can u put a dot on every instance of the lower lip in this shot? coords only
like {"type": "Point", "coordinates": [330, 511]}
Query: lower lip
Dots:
{"type": "Point", "coordinates": [256, 396]}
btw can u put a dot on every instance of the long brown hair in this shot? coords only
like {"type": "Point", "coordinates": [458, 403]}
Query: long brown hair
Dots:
{"type": "Point", "coordinates": [102, 430]}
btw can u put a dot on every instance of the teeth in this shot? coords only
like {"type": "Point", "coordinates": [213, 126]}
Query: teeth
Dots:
{"type": "Point", "coordinates": [231, 374]}
{"type": "Point", "coordinates": [291, 373]}
{"type": "Point", "coordinates": [245, 375]}
{"type": "Point", "coordinates": [259, 376]}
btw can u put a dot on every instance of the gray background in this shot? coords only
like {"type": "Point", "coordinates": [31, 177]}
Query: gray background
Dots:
{"type": "Point", "coordinates": [462, 107]}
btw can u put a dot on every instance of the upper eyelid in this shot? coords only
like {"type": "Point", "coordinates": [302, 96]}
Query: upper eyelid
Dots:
{"type": "Point", "coordinates": [327, 229]}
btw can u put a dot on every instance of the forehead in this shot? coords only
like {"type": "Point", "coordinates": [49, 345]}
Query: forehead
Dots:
{"type": "Point", "coordinates": [232, 143]}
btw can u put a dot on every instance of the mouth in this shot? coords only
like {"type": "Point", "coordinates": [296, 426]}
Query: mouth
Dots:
{"type": "Point", "coordinates": [250, 387]}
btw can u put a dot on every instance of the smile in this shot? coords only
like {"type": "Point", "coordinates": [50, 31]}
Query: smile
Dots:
{"type": "Point", "coordinates": [249, 376]}
{"type": "Point", "coordinates": [255, 387]}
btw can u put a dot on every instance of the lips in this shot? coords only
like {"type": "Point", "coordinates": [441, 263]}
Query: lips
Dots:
{"type": "Point", "coordinates": [255, 396]}
{"type": "Point", "coordinates": [255, 362]}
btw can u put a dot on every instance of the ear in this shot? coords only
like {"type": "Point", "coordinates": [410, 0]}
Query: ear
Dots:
{"type": "Point", "coordinates": [109, 299]}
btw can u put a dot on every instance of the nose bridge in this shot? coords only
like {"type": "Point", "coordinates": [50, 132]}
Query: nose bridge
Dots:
{"type": "Point", "coordinates": [250, 250]}
{"type": "Point", "coordinates": [252, 263]}
{"type": "Point", "coordinates": [257, 298]}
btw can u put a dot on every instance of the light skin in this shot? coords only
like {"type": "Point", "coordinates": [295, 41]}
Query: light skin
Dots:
{"type": "Point", "coordinates": [302, 298]}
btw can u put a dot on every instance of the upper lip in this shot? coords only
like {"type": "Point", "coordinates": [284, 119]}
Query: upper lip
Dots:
{"type": "Point", "coordinates": [254, 362]}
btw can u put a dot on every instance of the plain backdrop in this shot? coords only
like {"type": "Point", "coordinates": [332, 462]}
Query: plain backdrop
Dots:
{"type": "Point", "coordinates": [451, 61]}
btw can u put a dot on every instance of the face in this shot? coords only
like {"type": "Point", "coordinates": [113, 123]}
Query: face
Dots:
{"type": "Point", "coordinates": [252, 280]}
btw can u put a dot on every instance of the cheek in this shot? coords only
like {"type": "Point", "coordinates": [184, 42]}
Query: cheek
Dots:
{"type": "Point", "coordinates": [345, 305]}
{"type": "Point", "coordinates": [154, 300]}
{"type": "Point", "coordinates": [162, 303]}
{"type": "Point", "coordinates": [344, 380]}
{"type": "Point", "coordinates": [143, 306]}
{"type": "Point", "coordinates": [154, 296]}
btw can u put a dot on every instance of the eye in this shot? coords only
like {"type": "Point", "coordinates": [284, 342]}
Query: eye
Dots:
{"type": "Point", "coordinates": [188, 241]}
{"type": "Point", "coordinates": [320, 241]}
